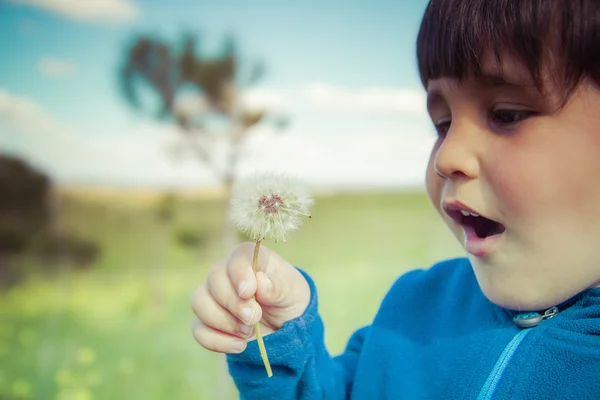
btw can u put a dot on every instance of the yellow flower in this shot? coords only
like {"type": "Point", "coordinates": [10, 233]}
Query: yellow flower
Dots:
{"type": "Point", "coordinates": [64, 377]}
{"type": "Point", "coordinates": [22, 388]}
{"type": "Point", "coordinates": [86, 356]}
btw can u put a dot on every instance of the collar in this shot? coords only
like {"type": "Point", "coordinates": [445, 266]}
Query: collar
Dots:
{"type": "Point", "coordinates": [589, 298]}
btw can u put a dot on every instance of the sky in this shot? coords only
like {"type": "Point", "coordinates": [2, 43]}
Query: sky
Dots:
{"type": "Point", "coordinates": [344, 73]}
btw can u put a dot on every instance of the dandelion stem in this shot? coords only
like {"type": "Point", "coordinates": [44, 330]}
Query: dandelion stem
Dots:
{"type": "Point", "coordinates": [259, 338]}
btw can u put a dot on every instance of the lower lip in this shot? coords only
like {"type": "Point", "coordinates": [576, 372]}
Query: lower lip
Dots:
{"type": "Point", "coordinates": [480, 247]}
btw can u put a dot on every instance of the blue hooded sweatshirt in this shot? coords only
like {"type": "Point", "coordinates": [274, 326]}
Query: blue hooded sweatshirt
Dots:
{"type": "Point", "coordinates": [435, 336]}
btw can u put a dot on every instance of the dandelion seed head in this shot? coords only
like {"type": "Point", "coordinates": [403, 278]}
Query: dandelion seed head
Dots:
{"type": "Point", "coordinates": [269, 206]}
{"type": "Point", "coordinates": [271, 203]}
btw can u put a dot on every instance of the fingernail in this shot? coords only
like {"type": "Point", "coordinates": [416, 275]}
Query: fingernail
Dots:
{"type": "Point", "coordinates": [269, 283]}
{"type": "Point", "coordinates": [237, 346]}
{"type": "Point", "coordinates": [242, 287]}
{"type": "Point", "coordinates": [245, 329]}
{"type": "Point", "coordinates": [247, 314]}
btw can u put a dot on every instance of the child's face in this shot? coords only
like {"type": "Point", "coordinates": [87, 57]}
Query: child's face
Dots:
{"type": "Point", "coordinates": [510, 154]}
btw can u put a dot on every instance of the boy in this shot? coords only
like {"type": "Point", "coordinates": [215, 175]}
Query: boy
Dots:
{"type": "Point", "coordinates": [513, 89]}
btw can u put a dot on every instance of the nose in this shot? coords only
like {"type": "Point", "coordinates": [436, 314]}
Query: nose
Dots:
{"type": "Point", "coordinates": [456, 157]}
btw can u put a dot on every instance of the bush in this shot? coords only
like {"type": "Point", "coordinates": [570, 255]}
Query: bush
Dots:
{"type": "Point", "coordinates": [25, 205]}
{"type": "Point", "coordinates": [12, 241]}
{"type": "Point", "coordinates": [192, 239]}
{"type": "Point", "coordinates": [25, 213]}
{"type": "Point", "coordinates": [75, 251]}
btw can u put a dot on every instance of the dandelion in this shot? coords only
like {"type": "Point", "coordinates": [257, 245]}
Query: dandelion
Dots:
{"type": "Point", "coordinates": [269, 207]}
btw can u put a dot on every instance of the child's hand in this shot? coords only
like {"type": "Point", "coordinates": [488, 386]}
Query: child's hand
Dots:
{"type": "Point", "coordinates": [224, 304]}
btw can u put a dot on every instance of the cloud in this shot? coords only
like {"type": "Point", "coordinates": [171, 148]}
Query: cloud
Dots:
{"type": "Point", "coordinates": [31, 131]}
{"type": "Point", "coordinates": [88, 10]}
{"type": "Point", "coordinates": [23, 114]}
{"type": "Point", "coordinates": [266, 99]}
{"type": "Point", "coordinates": [383, 158]}
{"type": "Point", "coordinates": [376, 99]}
{"type": "Point", "coordinates": [56, 68]}
{"type": "Point", "coordinates": [139, 153]}
{"type": "Point", "coordinates": [254, 99]}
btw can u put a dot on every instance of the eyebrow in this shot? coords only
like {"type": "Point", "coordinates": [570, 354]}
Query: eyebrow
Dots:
{"type": "Point", "coordinates": [434, 98]}
{"type": "Point", "coordinates": [500, 80]}
{"type": "Point", "coordinates": [495, 80]}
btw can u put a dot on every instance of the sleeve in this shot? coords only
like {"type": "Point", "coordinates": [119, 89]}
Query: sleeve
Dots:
{"type": "Point", "coordinates": [302, 366]}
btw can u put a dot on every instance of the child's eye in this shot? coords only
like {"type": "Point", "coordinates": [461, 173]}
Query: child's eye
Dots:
{"type": "Point", "coordinates": [442, 128]}
{"type": "Point", "coordinates": [509, 117]}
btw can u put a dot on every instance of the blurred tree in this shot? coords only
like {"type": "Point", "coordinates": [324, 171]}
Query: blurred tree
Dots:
{"type": "Point", "coordinates": [165, 214]}
{"type": "Point", "coordinates": [29, 223]}
{"type": "Point", "coordinates": [69, 250]}
{"type": "Point", "coordinates": [166, 208]}
{"type": "Point", "coordinates": [25, 210]}
{"type": "Point", "coordinates": [202, 96]}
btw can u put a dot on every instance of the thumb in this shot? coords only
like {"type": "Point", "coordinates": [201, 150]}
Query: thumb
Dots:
{"type": "Point", "coordinates": [279, 290]}
{"type": "Point", "coordinates": [266, 293]}
{"type": "Point", "coordinates": [283, 297]}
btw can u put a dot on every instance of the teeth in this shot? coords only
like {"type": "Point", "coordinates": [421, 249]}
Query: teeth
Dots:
{"type": "Point", "coordinates": [467, 213]}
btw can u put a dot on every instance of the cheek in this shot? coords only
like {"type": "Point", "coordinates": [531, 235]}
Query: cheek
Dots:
{"type": "Point", "coordinates": [551, 177]}
{"type": "Point", "coordinates": [515, 182]}
{"type": "Point", "coordinates": [433, 182]}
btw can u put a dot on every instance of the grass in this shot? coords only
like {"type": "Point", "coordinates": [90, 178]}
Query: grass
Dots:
{"type": "Point", "coordinates": [121, 330]}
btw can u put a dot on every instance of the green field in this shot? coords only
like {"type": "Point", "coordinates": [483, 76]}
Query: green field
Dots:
{"type": "Point", "coordinates": [121, 329]}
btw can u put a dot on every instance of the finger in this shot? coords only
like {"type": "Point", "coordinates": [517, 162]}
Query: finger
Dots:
{"type": "Point", "coordinates": [239, 268]}
{"type": "Point", "coordinates": [275, 291]}
{"type": "Point", "coordinates": [282, 287]}
{"type": "Point", "coordinates": [222, 291]}
{"type": "Point", "coordinates": [284, 296]}
{"type": "Point", "coordinates": [212, 314]}
{"type": "Point", "coordinates": [264, 291]}
{"type": "Point", "coordinates": [214, 340]}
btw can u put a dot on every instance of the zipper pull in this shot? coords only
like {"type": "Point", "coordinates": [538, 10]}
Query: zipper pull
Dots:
{"type": "Point", "coordinates": [551, 312]}
{"type": "Point", "coordinates": [533, 319]}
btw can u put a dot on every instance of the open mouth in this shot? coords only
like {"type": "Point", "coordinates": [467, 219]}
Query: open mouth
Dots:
{"type": "Point", "coordinates": [482, 226]}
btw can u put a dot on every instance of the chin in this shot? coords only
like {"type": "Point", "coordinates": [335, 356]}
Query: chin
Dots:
{"type": "Point", "coordinates": [512, 300]}
{"type": "Point", "coordinates": [518, 300]}
{"type": "Point", "coordinates": [514, 291]}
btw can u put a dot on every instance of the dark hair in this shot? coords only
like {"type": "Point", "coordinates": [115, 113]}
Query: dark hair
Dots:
{"type": "Point", "coordinates": [562, 34]}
